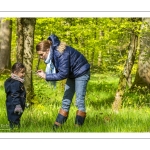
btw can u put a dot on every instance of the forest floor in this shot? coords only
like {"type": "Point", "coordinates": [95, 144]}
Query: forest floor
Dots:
{"type": "Point", "coordinates": [39, 117]}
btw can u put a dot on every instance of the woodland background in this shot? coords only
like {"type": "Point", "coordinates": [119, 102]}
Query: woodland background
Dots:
{"type": "Point", "coordinates": [118, 50]}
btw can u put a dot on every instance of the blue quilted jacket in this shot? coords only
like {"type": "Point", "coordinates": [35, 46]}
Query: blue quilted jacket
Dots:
{"type": "Point", "coordinates": [69, 62]}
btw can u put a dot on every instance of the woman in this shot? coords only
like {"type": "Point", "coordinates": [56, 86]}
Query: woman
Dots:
{"type": "Point", "coordinates": [66, 63]}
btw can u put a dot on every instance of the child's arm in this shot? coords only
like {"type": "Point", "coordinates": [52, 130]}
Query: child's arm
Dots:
{"type": "Point", "coordinates": [15, 92]}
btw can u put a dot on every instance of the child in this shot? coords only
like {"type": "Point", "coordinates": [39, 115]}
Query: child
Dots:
{"type": "Point", "coordinates": [15, 95]}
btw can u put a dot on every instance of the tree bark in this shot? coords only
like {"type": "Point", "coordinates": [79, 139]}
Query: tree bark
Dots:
{"type": "Point", "coordinates": [127, 69]}
{"type": "Point", "coordinates": [28, 31]}
{"type": "Point", "coordinates": [5, 44]}
{"type": "Point", "coordinates": [142, 77]}
{"type": "Point", "coordinates": [20, 40]}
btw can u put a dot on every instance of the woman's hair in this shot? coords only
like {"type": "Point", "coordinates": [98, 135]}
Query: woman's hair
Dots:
{"type": "Point", "coordinates": [43, 45]}
{"type": "Point", "coordinates": [17, 67]}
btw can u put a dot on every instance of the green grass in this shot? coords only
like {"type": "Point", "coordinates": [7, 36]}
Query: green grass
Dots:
{"type": "Point", "coordinates": [100, 117]}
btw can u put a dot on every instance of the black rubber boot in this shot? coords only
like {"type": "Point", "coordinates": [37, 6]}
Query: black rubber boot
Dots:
{"type": "Point", "coordinates": [13, 125]}
{"type": "Point", "coordinates": [61, 118]}
{"type": "Point", "coordinates": [80, 117]}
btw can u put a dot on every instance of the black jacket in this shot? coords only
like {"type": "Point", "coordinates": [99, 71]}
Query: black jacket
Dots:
{"type": "Point", "coordinates": [15, 94]}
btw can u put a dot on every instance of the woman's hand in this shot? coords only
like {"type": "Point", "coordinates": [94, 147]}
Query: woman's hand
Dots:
{"type": "Point", "coordinates": [41, 74]}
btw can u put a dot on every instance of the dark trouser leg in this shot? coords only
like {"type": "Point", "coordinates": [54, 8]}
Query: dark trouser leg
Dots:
{"type": "Point", "coordinates": [80, 117]}
{"type": "Point", "coordinates": [13, 118]}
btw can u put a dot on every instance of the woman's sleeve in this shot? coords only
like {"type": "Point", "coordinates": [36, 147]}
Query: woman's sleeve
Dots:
{"type": "Point", "coordinates": [63, 69]}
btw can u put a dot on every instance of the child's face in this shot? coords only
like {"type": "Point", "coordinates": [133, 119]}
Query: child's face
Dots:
{"type": "Point", "coordinates": [21, 73]}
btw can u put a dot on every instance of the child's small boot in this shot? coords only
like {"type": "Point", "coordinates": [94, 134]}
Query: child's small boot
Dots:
{"type": "Point", "coordinates": [61, 118]}
{"type": "Point", "coordinates": [80, 117]}
{"type": "Point", "coordinates": [14, 126]}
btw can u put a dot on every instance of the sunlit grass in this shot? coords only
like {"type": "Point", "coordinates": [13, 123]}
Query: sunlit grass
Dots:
{"type": "Point", "coordinates": [40, 116]}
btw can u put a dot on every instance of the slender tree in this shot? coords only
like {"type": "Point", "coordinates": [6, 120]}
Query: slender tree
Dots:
{"type": "Point", "coordinates": [20, 40]}
{"type": "Point", "coordinates": [5, 43]}
{"type": "Point", "coordinates": [28, 36]}
{"type": "Point", "coordinates": [134, 35]}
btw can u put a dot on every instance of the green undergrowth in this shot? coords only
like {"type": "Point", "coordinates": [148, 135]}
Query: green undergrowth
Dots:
{"type": "Point", "coordinates": [40, 116]}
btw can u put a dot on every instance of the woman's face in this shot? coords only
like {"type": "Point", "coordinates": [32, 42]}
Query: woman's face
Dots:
{"type": "Point", "coordinates": [43, 55]}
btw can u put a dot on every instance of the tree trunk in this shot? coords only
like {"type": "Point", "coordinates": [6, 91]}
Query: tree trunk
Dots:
{"type": "Point", "coordinates": [28, 30]}
{"type": "Point", "coordinates": [127, 69]}
{"type": "Point", "coordinates": [99, 64]}
{"type": "Point", "coordinates": [142, 77]}
{"type": "Point", "coordinates": [20, 40]}
{"type": "Point", "coordinates": [0, 33]}
{"type": "Point", "coordinates": [5, 44]}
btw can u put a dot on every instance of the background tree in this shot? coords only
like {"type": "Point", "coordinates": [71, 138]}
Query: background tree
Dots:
{"type": "Point", "coordinates": [5, 43]}
{"type": "Point", "coordinates": [142, 77]}
{"type": "Point", "coordinates": [28, 37]}
{"type": "Point", "coordinates": [20, 40]}
{"type": "Point", "coordinates": [134, 34]}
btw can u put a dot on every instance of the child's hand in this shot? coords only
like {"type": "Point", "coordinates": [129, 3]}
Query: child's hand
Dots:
{"type": "Point", "coordinates": [41, 74]}
{"type": "Point", "coordinates": [18, 109]}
